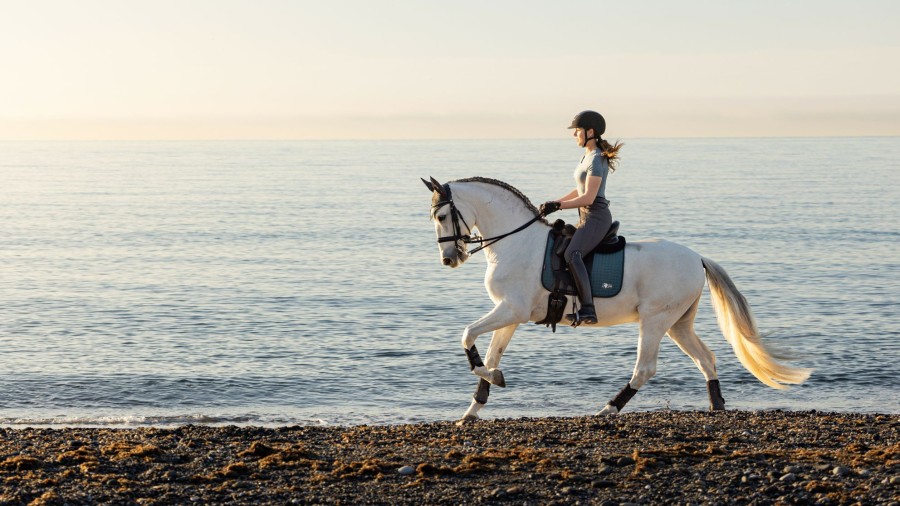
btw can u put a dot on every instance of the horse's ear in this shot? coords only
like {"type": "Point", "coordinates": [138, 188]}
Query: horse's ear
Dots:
{"type": "Point", "coordinates": [438, 187]}
{"type": "Point", "coordinates": [428, 184]}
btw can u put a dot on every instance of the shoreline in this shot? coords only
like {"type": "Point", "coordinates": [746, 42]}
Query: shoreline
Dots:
{"type": "Point", "coordinates": [658, 457]}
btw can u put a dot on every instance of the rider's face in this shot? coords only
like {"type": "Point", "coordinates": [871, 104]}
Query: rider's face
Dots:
{"type": "Point", "coordinates": [579, 136]}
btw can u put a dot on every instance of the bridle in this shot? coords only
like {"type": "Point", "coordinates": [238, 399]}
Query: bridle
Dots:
{"type": "Point", "coordinates": [466, 238]}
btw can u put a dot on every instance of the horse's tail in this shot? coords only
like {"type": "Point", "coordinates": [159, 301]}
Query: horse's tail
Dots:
{"type": "Point", "coordinates": [737, 323]}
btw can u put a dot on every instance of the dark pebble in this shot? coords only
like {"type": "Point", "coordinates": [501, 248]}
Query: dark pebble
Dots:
{"type": "Point", "coordinates": [624, 461]}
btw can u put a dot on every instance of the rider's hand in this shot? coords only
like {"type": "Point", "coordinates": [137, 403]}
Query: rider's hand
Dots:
{"type": "Point", "coordinates": [549, 207]}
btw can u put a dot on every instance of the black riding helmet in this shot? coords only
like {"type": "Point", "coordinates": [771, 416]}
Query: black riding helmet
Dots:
{"type": "Point", "coordinates": [588, 120]}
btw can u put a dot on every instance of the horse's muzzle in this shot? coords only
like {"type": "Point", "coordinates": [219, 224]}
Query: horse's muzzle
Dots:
{"type": "Point", "coordinates": [448, 261]}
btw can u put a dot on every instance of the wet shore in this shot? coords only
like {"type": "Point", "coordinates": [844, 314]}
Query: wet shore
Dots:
{"type": "Point", "coordinates": [663, 457]}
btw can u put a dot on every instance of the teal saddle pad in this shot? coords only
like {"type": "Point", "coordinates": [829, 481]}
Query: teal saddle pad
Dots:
{"type": "Point", "coordinates": [605, 266]}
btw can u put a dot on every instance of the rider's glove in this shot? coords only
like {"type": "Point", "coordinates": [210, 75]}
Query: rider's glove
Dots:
{"type": "Point", "coordinates": [549, 207]}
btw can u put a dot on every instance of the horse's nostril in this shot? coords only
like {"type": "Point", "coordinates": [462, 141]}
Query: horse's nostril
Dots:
{"type": "Point", "coordinates": [447, 261]}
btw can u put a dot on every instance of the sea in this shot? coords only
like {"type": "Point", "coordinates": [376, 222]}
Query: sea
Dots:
{"type": "Point", "coordinates": [299, 282]}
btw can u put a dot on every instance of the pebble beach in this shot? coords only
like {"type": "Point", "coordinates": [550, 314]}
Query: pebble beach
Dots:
{"type": "Point", "coordinates": [660, 457]}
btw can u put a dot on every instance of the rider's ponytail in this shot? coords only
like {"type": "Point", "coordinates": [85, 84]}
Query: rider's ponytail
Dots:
{"type": "Point", "coordinates": [611, 151]}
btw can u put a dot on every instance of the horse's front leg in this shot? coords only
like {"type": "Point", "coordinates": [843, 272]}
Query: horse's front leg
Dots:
{"type": "Point", "coordinates": [499, 317]}
{"type": "Point", "coordinates": [499, 342]}
{"type": "Point", "coordinates": [503, 321]}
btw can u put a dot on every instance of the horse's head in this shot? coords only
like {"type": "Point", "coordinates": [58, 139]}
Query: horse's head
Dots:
{"type": "Point", "coordinates": [449, 224]}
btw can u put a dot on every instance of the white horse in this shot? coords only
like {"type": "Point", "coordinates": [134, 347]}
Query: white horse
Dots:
{"type": "Point", "coordinates": [661, 291]}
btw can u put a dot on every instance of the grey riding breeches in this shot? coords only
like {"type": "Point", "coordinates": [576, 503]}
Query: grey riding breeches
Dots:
{"type": "Point", "coordinates": [594, 225]}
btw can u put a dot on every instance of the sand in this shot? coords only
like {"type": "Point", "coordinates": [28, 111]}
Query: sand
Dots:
{"type": "Point", "coordinates": [661, 457]}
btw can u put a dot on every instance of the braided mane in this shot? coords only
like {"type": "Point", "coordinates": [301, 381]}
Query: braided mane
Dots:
{"type": "Point", "coordinates": [505, 186]}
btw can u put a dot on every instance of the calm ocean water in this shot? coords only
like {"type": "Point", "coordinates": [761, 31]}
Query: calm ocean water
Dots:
{"type": "Point", "coordinates": [299, 282]}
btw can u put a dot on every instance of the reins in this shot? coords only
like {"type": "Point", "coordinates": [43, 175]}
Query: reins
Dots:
{"type": "Point", "coordinates": [466, 238]}
{"type": "Point", "coordinates": [497, 238]}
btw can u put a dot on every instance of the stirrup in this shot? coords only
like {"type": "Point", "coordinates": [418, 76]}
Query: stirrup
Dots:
{"type": "Point", "coordinates": [585, 314]}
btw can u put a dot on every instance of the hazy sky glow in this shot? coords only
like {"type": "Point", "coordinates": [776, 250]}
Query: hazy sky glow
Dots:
{"type": "Point", "coordinates": [267, 69]}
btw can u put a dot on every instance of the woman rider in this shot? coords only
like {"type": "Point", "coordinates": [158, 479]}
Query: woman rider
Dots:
{"type": "Point", "coordinates": [589, 196]}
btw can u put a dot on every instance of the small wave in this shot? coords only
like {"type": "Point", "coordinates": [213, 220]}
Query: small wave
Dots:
{"type": "Point", "coordinates": [148, 421]}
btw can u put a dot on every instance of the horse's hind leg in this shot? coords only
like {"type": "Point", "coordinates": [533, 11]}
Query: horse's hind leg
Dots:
{"type": "Point", "coordinates": [652, 331]}
{"type": "Point", "coordinates": [499, 341]}
{"type": "Point", "coordinates": [684, 336]}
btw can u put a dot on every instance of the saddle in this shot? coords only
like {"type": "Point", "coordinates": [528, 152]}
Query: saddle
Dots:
{"type": "Point", "coordinates": [605, 266]}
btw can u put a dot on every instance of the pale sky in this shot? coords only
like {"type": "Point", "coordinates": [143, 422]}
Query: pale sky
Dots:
{"type": "Point", "coordinates": [405, 69]}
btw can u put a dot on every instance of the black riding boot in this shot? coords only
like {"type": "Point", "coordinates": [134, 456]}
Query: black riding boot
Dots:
{"type": "Point", "coordinates": [586, 313]}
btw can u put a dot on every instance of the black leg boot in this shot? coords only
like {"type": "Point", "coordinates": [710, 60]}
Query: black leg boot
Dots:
{"type": "Point", "coordinates": [586, 313]}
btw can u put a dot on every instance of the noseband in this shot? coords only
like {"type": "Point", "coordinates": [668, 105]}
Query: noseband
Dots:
{"type": "Point", "coordinates": [458, 236]}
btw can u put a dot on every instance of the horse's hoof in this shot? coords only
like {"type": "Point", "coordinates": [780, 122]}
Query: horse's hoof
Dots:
{"type": "Point", "coordinates": [497, 378]}
{"type": "Point", "coordinates": [466, 420]}
{"type": "Point", "coordinates": [608, 411]}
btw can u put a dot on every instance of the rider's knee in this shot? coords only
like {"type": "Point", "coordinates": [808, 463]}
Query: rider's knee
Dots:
{"type": "Point", "coordinates": [570, 254]}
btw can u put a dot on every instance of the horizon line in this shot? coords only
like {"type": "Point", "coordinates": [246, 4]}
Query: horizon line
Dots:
{"type": "Point", "coordinates": [436, 139]}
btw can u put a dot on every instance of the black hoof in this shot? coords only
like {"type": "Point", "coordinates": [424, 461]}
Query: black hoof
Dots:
{"type": "Point", "coordinates": [716, 401]}
{"type": "Point", "coordinates": [497, 376]}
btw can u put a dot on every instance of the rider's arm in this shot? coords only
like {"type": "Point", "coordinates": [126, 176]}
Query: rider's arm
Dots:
{"type": "Point", "coordinates": [571, 195]}
{"type": "Point", "coordinates": [591, 187]}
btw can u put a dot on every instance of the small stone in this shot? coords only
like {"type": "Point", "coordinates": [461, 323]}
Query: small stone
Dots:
{"type": "Point", "coordinates": [609, 502]}
{"type": "Point", "coordinates": [895, 480]}
{"type": "Point", "coordinates": [822, 467]}
{"type": "Point", "coordinates": [624, 461]}
{"type": "Point", "coordinates": [788, 478]}
{"type": "Point", "coordinates": [406, 470]}
{"type": "Point", "coordinates": [604, 470]}
{"type": "Point", "coordinates": [603, 483]}
{"type": "Point", "coordinates": [513, 490]}
{"type": "Point", "coordinates": [840, 471]}
{"type": "Point", "coordinates": [791, 469]}
{"type": "Point", "coordinates": [865, 473]}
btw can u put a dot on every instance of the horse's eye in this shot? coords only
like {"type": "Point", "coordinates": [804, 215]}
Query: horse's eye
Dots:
{"type": "Point", "coordinates": [442, 217]}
